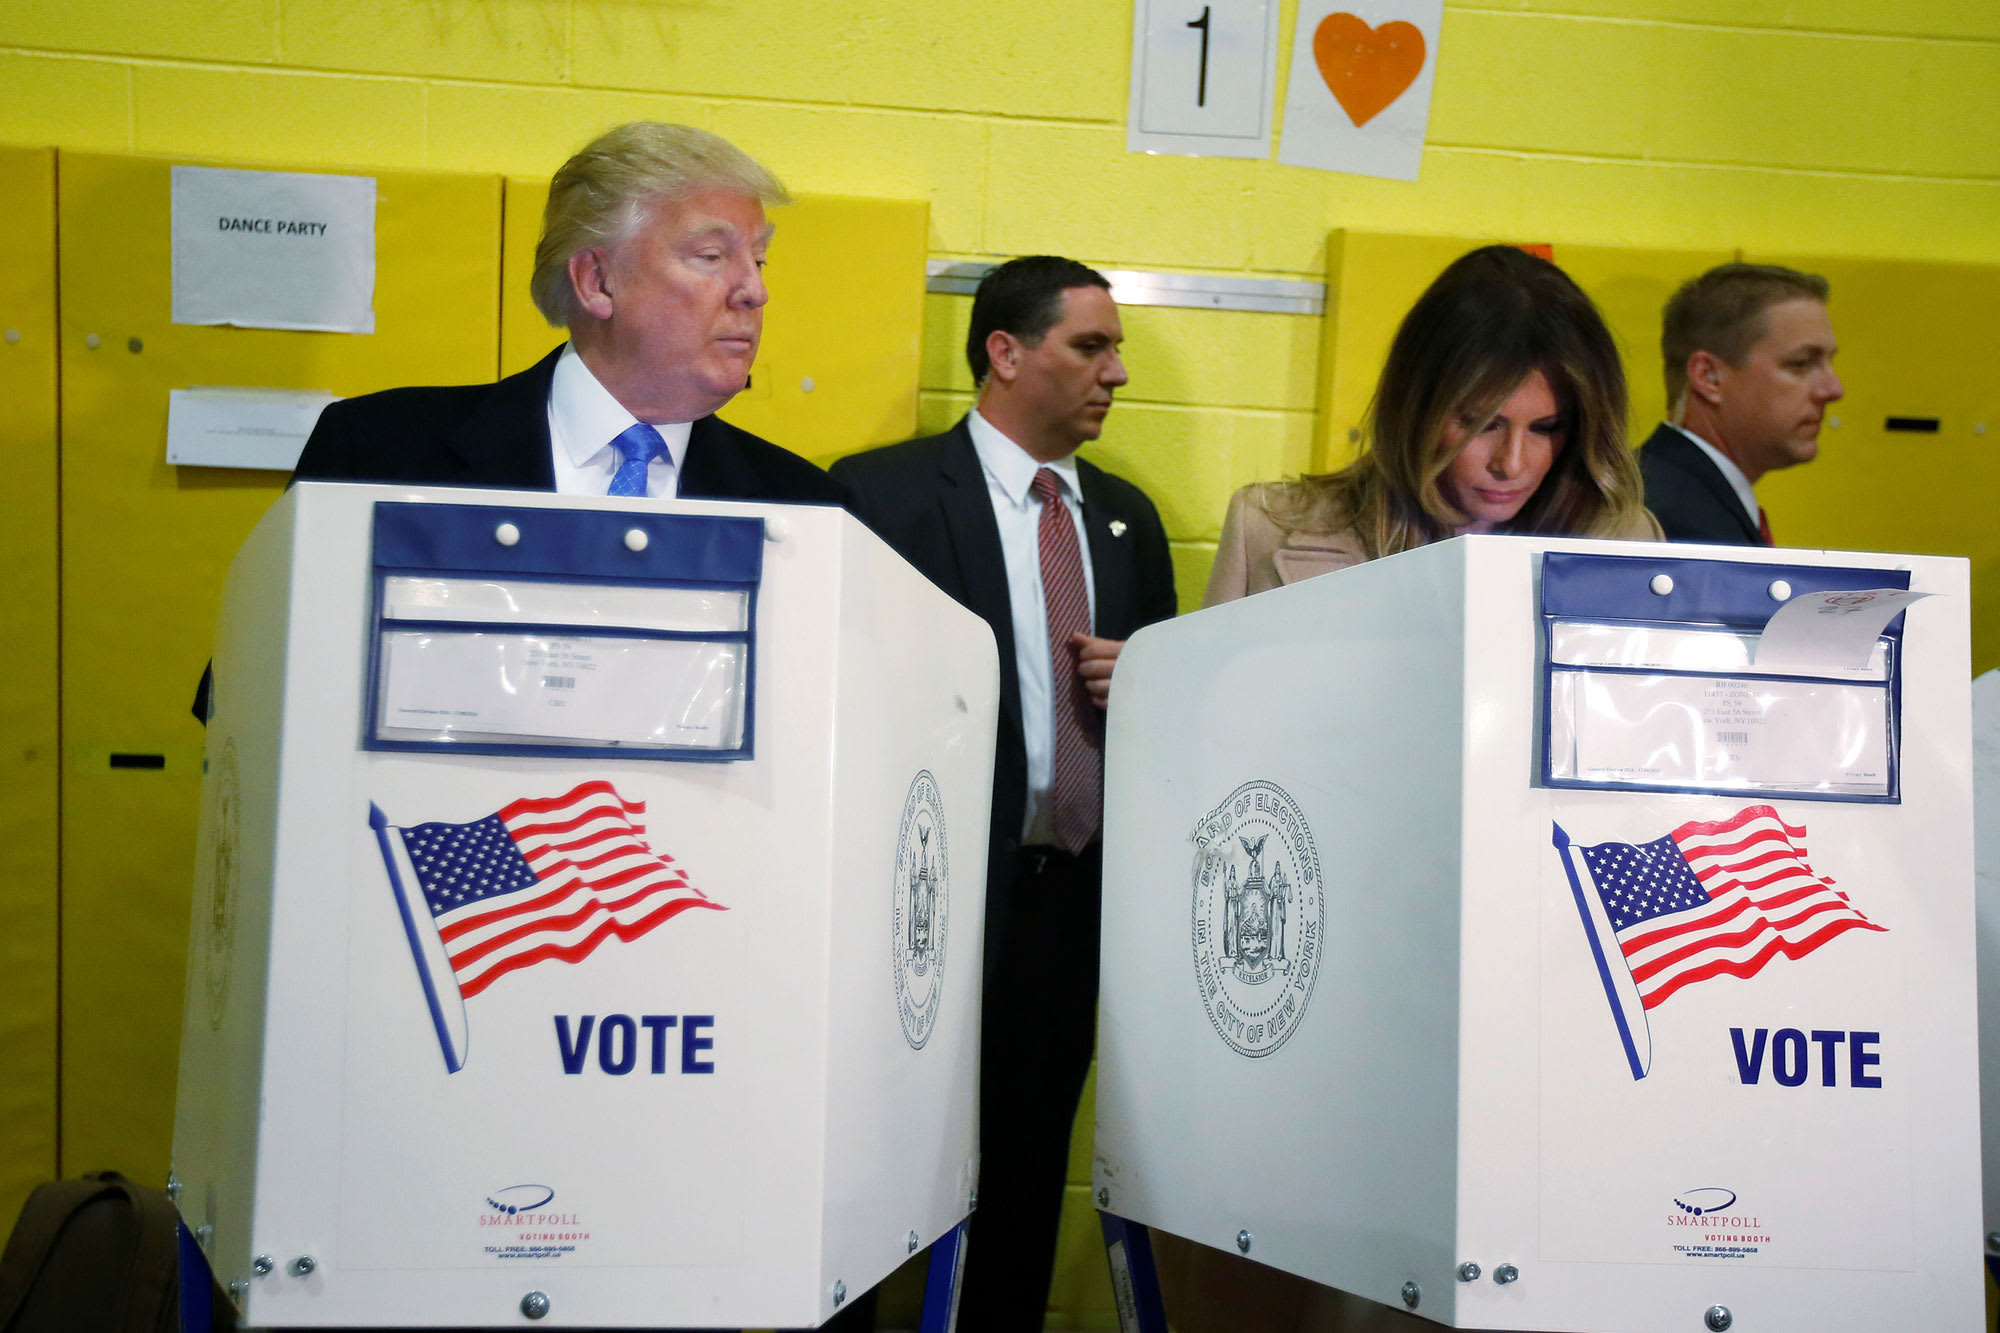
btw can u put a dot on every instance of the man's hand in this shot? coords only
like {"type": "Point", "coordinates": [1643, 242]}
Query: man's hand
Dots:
{"type": "Point", "coordinates": [1094, 660]}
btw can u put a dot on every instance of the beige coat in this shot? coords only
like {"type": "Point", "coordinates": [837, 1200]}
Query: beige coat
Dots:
{"type": "Point", "coordinates": [1257, 553]}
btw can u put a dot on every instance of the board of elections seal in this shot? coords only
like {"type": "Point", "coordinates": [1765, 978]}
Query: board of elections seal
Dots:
{"type": "Point", "coordinates": [1259, 917]}
{"type": "Point", "coordinates": [919, 913]}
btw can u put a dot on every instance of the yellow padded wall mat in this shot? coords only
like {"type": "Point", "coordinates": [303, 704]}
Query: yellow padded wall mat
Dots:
{"type": "Point", "coordinates": [1374, 278]}
{"type": "Point", "coordinates": [1920, 342]}
{"type": "Point", "coordinates": [144, 548]}
{"type": "Point", "coordinates": [28, 685]}
{"type": "Point", "coordinates": [842, 348]}
{"type": "Point", "coordinates": [1631, 288]}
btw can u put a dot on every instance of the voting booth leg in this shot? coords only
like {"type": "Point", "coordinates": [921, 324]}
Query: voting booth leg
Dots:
{"type": "Point", "coordinates": [197, 1285]}
{"type": "Point", "coordinates": [941, 1282]}
{"type": "Point", "coordinates": [1135, 1283]}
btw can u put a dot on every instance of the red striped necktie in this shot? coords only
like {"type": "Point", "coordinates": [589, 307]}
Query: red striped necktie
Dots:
{"type": "Point", "coordinates": [1076, 796]}
{"type": "Point", "coordinates": [1764, 526]}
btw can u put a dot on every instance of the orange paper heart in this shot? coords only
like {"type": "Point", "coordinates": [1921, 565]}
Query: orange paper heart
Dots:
{"type": "Point", "coordinates": [1367, 68]}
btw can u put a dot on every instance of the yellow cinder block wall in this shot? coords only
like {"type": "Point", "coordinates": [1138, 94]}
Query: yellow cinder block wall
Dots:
{"type": "Point", "coordinates": [1842, 128]}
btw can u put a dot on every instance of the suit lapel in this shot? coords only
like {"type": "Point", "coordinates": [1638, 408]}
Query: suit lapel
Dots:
{"type": "Point", "coordinates": [711, 469]}
{"type": "Point", "coordinates": [1689, 457]}
{"type": "Point", "coordinates": [505, 443]}
{"type": "Point", "coordinates": [975, 539]}
{"type": "Point", "coordinates": [1110, 557]}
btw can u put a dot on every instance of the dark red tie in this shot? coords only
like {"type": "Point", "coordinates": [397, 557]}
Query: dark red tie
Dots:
{"type": "Point", "coordinates": [1076, 796]}
{"type": "Point", "coordinates": [1764, 526]}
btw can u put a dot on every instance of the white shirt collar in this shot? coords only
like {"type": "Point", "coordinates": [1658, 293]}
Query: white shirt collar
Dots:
{"type": "Point", "coordinates": [1012, 468]}
{"type": "Point", "coordinates": [1730, 473]}
{"type": "Point", "coordinates": [585, 418]}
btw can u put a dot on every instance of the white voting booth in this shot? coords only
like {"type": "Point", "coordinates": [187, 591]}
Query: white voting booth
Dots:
{"type": "Point", "coordinates": [1558, 935]}
{"type": "Point", "coordinates": [589, 914]}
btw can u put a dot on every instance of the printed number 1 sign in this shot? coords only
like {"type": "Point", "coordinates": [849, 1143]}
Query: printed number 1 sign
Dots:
{"type": "Point", "coordinates": [1359, 99]}
{"type": "Point", "coordinates": [1203, 75]}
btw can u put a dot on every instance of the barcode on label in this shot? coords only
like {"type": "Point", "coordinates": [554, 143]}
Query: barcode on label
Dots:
{"type": "Point", "coordinates": [558, 682]}
{"type": "Point", "coordinates": [1732, 737]}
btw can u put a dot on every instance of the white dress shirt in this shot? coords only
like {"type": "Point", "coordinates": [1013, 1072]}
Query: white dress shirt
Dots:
{"type": "Point", "coordinates": [1730, 473]}
{"type": "Point", "coordinates": [583, 421]}
{"type": "Point", "coordinates": [1010, 476]}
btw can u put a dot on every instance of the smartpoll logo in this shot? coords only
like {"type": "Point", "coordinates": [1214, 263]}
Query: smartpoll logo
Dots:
{"type": "Point", "coordinates": [1704, 1200]}
{"type": "Point", "coordinates": [1710, 899]}
{"type": "Point", "coordinates": [541, 879]}
{"type": "Point", "coordinates": [517, 1199]}
{"type": "Point", "coordinates": [1708, 1224]}
{"type": "Point", "coordinates": [522, 1223]}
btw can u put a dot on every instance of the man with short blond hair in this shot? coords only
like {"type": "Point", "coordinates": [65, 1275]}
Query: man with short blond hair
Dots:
{"type": "Point", "coordinates": [651, 257]}
{"type": "Point", "coordinates": [1749, 365]}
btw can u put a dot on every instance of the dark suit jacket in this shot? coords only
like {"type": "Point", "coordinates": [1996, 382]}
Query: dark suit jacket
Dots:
{"type": "Point", "coordinates": [1689, 495]}
{"type": "Point", "coordinates": [927, 498]}
{"type": "Point", "coordinates": [497, 435]}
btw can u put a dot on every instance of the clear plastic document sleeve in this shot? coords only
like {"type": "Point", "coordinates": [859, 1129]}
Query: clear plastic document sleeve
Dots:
{"type": "Point", "coordinates": [1638, 729]}
{"type": "Point", "coordinates": [1653, 680]}
{"type": "Point", "coordinates": [496, 686]}
{"type": "Point", "coordinates": [520, 631]}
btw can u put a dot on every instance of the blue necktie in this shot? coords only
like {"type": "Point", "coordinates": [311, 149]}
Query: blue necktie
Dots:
{"type": "Point", "coordinates": [638, 446]}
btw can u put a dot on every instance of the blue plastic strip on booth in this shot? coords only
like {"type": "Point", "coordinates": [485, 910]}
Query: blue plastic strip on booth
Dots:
{"type": "Point", "coordinates": [1135, 1282]}
{"type": "Point", "coordinates": [1576, 586]}
{"type": "Point", "coordinates": [941, 1281]}
{"type": "Point", "coordinates": [708, 550]}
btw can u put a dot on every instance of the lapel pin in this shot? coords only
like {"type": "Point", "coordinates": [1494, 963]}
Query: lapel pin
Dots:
{"type": "Point", "coordinates": [1118, 527]}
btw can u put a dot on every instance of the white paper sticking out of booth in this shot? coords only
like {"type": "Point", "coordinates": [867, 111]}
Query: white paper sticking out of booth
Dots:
{"type": "Point", "coordinates": [1393, 987]}
{"type": "Point", "coordinates": [674, 1026]}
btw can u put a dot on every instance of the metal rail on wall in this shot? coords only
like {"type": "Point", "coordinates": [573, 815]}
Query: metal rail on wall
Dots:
{"type": "Point", "coordinates": [1273, 296]}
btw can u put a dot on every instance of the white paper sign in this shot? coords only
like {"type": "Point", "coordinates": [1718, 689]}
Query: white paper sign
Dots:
{"type": "Point", "coordinates": [1830, 630]}
{"type": "Point", "coordinates": [1359, 99]}
{"type": "Point", "coordinates": [1204, 75]}
{"type": "Point", "coordinates": [258, 428]}
{"type": "Point", "coordinates": [274, 249]}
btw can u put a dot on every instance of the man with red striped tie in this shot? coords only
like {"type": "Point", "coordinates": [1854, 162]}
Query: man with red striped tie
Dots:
{"type": "Point", "coordinates": [1749, 351]}
{"type": "Point", "coordinates": [1064, 561]}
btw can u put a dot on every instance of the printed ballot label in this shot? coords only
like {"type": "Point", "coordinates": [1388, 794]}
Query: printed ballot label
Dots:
{"type": "Point", "coordinates": [1719, 731]}
{"type": "Point", "coordinates": [582, 689]}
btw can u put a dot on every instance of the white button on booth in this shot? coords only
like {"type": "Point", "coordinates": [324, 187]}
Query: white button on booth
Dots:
{"type": "Point", "coordinates": [1491, 905]}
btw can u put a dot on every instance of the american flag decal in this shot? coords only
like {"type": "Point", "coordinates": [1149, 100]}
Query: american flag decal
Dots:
{"type": "Point", "coordinates": [539, 880]}
{"type": "Point", "coordinates": [1710, 899]}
